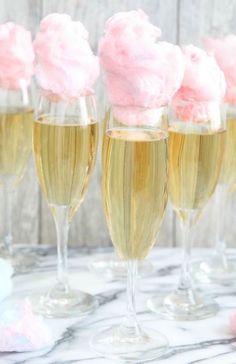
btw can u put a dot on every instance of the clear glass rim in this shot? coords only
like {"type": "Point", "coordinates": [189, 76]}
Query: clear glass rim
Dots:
{"type": "Point", "coordinates": [138, 118]}
{"type": "Point", "coordinates": [71, 108]}
{"type": "Point", "coordinates": [138, 107]}
{"type": "Point", "coordinates": [197, 114]}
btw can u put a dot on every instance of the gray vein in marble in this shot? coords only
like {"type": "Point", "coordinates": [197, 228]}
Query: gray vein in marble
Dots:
{"type": "Point", "coordinates": [201, 345]}
{"type": "Point", "coordinates": [212, 357]}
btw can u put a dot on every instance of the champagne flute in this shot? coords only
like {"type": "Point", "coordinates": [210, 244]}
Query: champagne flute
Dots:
{"type": "Point", "coordinates": [110, 265]}
{"type": "Point", "coordinates": [16, 120]}
{"type": "Point", "coordinates": [65, 141]}
{"type": "Point", "coordinates": [220, 267]}
{"type": "Point", "coordinates": [134, 186]}
{"type": "Point", "coordinates": [196, 148]}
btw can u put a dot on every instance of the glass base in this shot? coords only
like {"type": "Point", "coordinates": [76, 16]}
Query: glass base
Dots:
{"type": "Point", "coordinates": [185, 305]}
{"type": "Point", "coordinates": [21, 261]}
{"type": "Point", "coordinates": [214, 270]}
{"type": "Point", "coordinates": [111, 267]}
{"type": "Point", "coordinates": [60, 304]}
{"type": "Point", "coordinates": [116, 344]}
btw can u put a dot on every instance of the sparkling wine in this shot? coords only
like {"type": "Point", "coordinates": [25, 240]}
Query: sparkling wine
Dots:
{"type": "Point", "coordinates": [195, 158]}
{"type": "Point", "coordinates": [15, 141]}
{"type": "Point", "coordinates": [65, 156]}
{"type": "Point", "coordinates": [134, 185]}
{"type": "Point", "coordinates": [228, 172]}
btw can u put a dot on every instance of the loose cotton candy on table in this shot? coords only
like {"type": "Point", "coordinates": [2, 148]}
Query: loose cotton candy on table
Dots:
{"type": "Point", "coordinates": [21, 330]}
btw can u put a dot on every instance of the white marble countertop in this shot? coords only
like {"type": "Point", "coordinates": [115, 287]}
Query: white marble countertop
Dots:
{"type": "Point", "coordinates": [200, 342]}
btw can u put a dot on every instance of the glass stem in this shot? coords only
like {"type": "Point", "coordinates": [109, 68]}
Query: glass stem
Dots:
{"type": "Point", "coordinates": [185, 282]}
{"type": "Point", "coordinates": [8, 205]}
{"type": "Point", "coordinates": [131, 324]}
{"type": "Point", "coordinates": [221, 211]}
{"type": "Point", "coordinates": [60, 214]}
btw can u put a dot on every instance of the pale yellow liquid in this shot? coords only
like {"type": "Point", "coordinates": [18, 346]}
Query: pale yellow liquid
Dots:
{"type": "Point", "coordinates": [65, 156]}
{"type": "Point", "coordinates": [134, 183]}
{"type": "Point", "coordinates": [228, 171]}
{"type": "Point", "coordinates": [15, 142]}
{"type": "Point", "coordinates": [195, 162]}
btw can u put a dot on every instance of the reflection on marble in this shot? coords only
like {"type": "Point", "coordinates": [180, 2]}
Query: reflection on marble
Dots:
{"type": "Point", "coordinates": [199, 342]}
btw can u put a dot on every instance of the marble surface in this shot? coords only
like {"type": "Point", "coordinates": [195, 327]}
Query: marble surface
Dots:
{"type": "Point", "coordinates": [200, 342]}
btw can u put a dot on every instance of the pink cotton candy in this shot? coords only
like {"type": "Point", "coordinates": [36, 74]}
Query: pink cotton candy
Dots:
{"type": "Point", "coordinates": [224, 51]}
{"type": "Point", "coordinates": [203, 83]}
{"type": "Point", "coordinates": [138, 71]}
{"type": "Point", "coordinates": [66, 66]}
{"type": "Point", "coordinates": [233, 323]}
{"type": "Point", "coordinates": [21, 330]}
{"type": "Point", "coordinates": [16, 56]}
{"type": "Point", "coordinates": [136, 115]}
